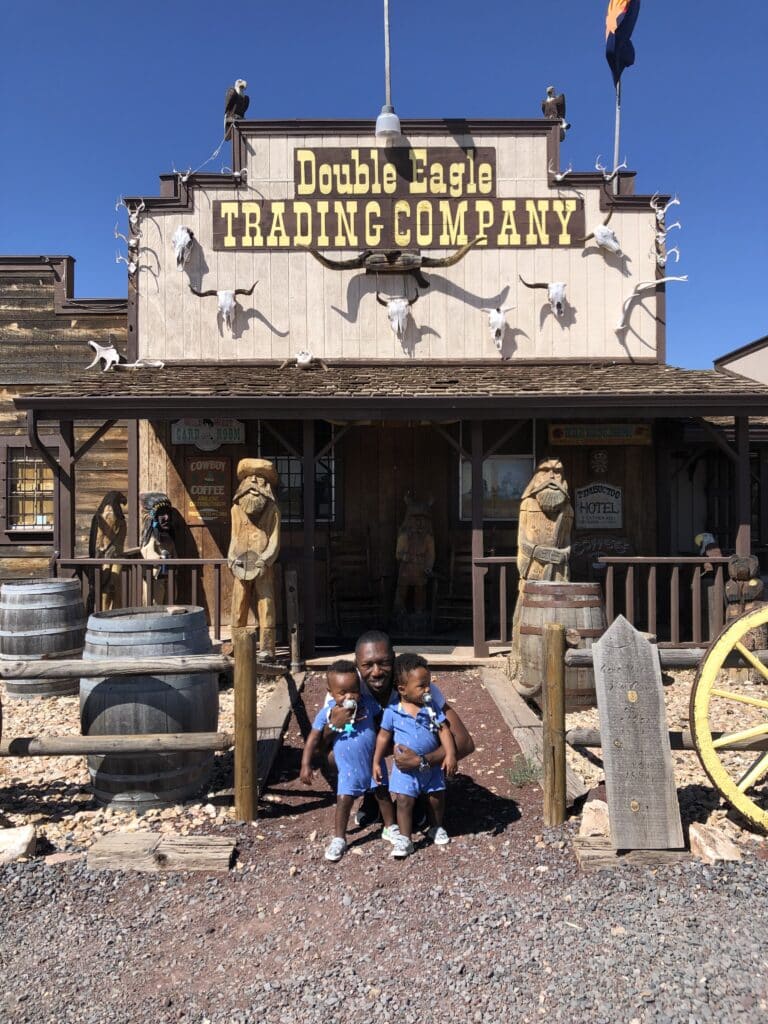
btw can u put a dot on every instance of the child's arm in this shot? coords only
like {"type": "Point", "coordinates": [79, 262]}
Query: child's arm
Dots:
{"type": "Point", "coordinates": [450, 761]}
{"type": "Point", "coordinates": [310, 749]}
{"type": "Point", "coordinates": [382, 742]}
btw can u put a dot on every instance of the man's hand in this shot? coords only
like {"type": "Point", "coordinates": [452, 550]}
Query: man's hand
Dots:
{"type": "Point", "coordinates": [339, 716]}
{"type": "Point", "coordinates": [450, 765]}
{"type": "Point", "coordinates": [306, 775]}
{"type": "Point", "coordinates": [405, 759]}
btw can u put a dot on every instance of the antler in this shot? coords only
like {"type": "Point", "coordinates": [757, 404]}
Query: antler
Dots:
{"type": "Point", "coordinates": [537, 284]}
{"type": "Point", "coordinates": [614, 172]}
{"type": "Point", "coordinates": [246, 291]}
{"type": "Point", "coordinates": [621, 326]}
{"type": "Point", "coordinates": [202, 295]}
{"type": "Point", "coordinates": [559, 175]}
{"type": "Point", "coordinates": [449, 261]}
{"type": "Point", "coordinates": [132, 243]}
{"type": "Point", "coordinates": [657, 209]}
{"type": "Point", "coordinates": [355, 263]}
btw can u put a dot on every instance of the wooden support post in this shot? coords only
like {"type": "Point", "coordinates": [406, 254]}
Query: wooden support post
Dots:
{"type": "Point", "coordinates": [308, 589]}
{"type": "Point", "coordinates": [743, 489]}
{"type": "Point", "coordinates": [66, 490]}
{"type": "Point", "coordinates": [246, 765]}
{"type": "Point", "coordinates": [554, 725]}
{"type": "Point", "coordinates": [478, 572]}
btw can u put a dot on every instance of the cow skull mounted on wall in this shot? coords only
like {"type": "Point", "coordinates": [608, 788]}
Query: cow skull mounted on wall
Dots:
{"type": "Point", "coordinates": [227, 302]}
{"type": "Point", "coordinates": [555, 294]}
{"type": "Point", "coordinates": [398, 309]}
{"type": "Point", "coordinates": [498, 324]}
{"type": "Point", "coordinates": [183, 241]}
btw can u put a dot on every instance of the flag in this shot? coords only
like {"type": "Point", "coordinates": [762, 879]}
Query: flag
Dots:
{"type": "Point", "coordinates": [619, 22]}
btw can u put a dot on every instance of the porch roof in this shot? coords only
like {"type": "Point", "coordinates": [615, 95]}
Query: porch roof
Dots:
{"type": "Point", "coordinates": [379, 390]}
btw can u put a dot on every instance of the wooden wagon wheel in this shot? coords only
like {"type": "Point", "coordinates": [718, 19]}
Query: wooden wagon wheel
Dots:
{"type": "Point", "coordinates": [740, 775]}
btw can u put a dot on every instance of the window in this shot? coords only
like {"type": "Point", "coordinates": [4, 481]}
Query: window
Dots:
{"type": "Point", "coordinates": [30, 489]}
{"type": "Point", "coordinates": [505, 477]}
{"type": "Point", "coordinates": [290, 491]}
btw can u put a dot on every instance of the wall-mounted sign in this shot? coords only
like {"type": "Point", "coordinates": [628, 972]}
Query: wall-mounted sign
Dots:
{"type": "Point", "coordinates": [599, 433]}
{"type": "Point", "coordinates": [599, 506]}
{"type": "Point", "coordinates": [208, 487]}
{"type": "Point", "coordinates": [396, 198]}
{"type": "Point", "coordinates": [207, 435]}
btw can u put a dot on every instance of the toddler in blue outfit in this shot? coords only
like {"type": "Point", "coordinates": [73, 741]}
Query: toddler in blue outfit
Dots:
{"type": "Point", "coordinates": [353, 746]}
{"type": "Point", "coordinates": [416, 720]}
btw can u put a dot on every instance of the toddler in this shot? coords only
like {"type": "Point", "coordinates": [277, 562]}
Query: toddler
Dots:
{"type": "Point", "coordinates": [416, 721]}
{"type": "Point", "coordinates": [353, 746]}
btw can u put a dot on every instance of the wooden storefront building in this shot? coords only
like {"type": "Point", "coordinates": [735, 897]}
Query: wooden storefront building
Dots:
{"type": "Point", "coordinates": [445, 411]}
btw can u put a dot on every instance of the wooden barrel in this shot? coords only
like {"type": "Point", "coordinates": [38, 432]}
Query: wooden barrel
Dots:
{"type": "Point", "coordinates": [130, 705]}
{"type": "Point", "coordinates": [41, 619]}
{"type": "Point", "coordinates": [577, 606]}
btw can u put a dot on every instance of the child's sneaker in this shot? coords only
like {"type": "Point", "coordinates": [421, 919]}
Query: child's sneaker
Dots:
{"type": "Point", "coordinates": [402, 847]}
{"type": "Point", "coordinates": [439, 836]}
{"type": "Point", "coordinates": [391, 834]}
{"type": "Point", "coordinates": [336, 849]}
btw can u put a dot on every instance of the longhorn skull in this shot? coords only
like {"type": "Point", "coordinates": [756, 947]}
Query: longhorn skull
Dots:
{"type": "Point", "coordinates": [183, 240]}
{"type": "Point", "coordinates": [396, 261]}
{"type": "Point", "coordinates": [555, 294]}
{"type": "Point", "coordinates": [497, 323]}
{"type": "Point", "coordinates": [227, 302]}
{"type": "Point", "coordinates": [622, 324]}
{"type": "Point", "coordinates": [398, 310]}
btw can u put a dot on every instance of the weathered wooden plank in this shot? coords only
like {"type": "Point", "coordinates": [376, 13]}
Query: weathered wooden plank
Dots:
{"type": "Point", "coordinates": [596, 853]}
{"type": "Point", "coordinates": [639, 780]}
{"type": "Point", "coordinates": [147, 851]}
{"type": "Point", "coordinates": [72, 668]}
{"type": "Point", "coordinates": [79, 746]}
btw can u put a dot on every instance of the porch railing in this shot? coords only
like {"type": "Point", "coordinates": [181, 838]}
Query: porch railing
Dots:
{"type": "Point", "coordinates": [679, 599]}
{"type": "Point", "coordinates": [139, 587]}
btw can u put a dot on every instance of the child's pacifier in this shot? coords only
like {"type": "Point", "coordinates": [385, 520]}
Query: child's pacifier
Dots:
{"type": "Point", "coordinates": [350, 704]}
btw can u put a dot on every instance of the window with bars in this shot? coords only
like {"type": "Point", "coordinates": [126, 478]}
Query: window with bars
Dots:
{"type": "Point", "coordinates": [290, 492]}
{"type": "Point", "coordinates": [29, 491]}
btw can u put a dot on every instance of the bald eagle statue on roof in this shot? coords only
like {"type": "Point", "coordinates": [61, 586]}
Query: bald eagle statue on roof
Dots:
{"type": "Point", "coordinates": [235, 105]}
{"type": "Point", "coordinates": [553, 108]}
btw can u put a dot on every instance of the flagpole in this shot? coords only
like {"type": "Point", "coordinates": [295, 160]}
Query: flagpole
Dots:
{"type": "Point", "coordinates": [616, 134]}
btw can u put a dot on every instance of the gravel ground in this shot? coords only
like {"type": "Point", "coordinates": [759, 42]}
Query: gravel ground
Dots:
{"type": "Point", "coordinates": [497, 927]}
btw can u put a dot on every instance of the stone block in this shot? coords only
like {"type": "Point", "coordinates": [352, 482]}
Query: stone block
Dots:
{"type": "Point", "coordinates": [711, 845]}
{"type": "Point", "coordinates": [17, 842]}
{"type": "Point", "coordinates": [595, 820]}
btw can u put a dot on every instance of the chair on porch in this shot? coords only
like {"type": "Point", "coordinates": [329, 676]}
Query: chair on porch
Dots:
{"type": "Point", "coordinates": [357, 597]}
{"type": "Point", "coordinates": [452, 605]}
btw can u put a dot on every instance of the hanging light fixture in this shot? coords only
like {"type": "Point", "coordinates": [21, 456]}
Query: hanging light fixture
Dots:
{"type": "Point", "coordinates": [387, 123]}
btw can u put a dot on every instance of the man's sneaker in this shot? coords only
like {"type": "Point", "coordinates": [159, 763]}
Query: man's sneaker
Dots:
{"type": "Point", "coordinates": [391, 834]}
{"type": "Point", "coordinates": [402, 847]}
{"type": "Point", "coordinates": [336, 849]}
{"type": "Point", "coordinates": [439, 836]}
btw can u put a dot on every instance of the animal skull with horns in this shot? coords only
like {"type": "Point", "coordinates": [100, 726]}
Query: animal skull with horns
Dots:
{"type": "Point", "coordinates": [498, 324]}
{"type": "Point", "coordinates": [396, 261]}
{"type": "Point", "coordinates": [227, 301]}
{"type": "Point", "coordinates": [555, 293]}
{"type": "Point", "coordinates": [183, 241]}
{"type": "Point", "coordinates": [398, 310]}
{"type": "Point", "coordinates": [134, 213]}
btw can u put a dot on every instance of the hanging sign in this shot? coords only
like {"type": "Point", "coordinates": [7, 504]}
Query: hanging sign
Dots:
{"type": "Point", "coordinates": [208, 487]}
{"type": "Point", "coordinates": [599, 506]}
{"type": "Point", "coordinates": [599, 433]}
{"type": "Point", "coordinates": [207, 435]}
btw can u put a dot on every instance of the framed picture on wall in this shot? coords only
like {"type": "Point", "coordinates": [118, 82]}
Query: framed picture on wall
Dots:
{"type": "Point", "coordinates": [505, 477]}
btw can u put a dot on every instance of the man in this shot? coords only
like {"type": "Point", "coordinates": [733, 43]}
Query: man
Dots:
{"type": "Point", "coordinates": [374, 660]}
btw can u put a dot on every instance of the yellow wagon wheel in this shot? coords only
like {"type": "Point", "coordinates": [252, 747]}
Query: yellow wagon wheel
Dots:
{"type": "Point", "coordinates": [732, 704]}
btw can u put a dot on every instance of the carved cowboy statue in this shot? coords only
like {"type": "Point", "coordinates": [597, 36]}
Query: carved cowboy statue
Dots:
{"type": "Point", "coordinates": [415, 555]}
{"type": "Point", "coordinates": [253, 549]}
{"type": "Point", "coordinates": [157, 541]}
{"type": "Point", "coordinates": [107, 540]}
{"type": "Point", "coordinates": [544, 533]}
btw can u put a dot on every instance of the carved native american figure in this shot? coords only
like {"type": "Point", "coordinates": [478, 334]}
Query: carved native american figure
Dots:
{"type": "Point", "coordinates": [107, 539]}
{"type": "Point", "coordinates": [544, 532]}
{"type": "Point", "coordinates": [157, 541]}
{"type": "Point", "coordinates": [253, 549]}
{"type": "Point", "coordinates": [415, 555]}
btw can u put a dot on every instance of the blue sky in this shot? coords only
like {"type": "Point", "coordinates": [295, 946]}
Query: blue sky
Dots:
{"type": "Point", "coordinates": [98, 98]}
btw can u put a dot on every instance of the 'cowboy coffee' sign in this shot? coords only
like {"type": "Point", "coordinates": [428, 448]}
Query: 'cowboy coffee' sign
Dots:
{"type": "Point", "coordinates": [599, 506]}
{"type": "Point", "coordinates": [396, 198]}
{"type": "Point", "coordinates": [208, 487]}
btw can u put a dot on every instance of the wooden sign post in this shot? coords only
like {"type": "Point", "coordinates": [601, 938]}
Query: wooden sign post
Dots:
{"type": "Point", "coordinates": [639, 780]}
{"type": "Point", "coordinates": [246, 763]}
{"type": "Point", "coordinates": [553, 738]}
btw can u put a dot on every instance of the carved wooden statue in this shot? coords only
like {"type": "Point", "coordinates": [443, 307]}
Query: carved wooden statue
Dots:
{"type": "Point", "coordinates": [253, 549]}
{"type": "Point", "coordinates": [157, 541]}
{"type": "Point", "coordinates": [544, 532]}
{"type": "Point", "coordinates": [107, 540]}
{"type": "Point", "coordinates": [415, 555]}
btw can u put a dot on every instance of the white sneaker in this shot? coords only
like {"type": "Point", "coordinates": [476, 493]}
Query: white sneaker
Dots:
{"type": "Point", "coordinates": [336, 849]}
{"type": "Point", "coordinates": [391, 834]}
{"type": "Point", "coordinates": [439, 836]}
{"type": "Point", "coordinates": [402, 847]}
